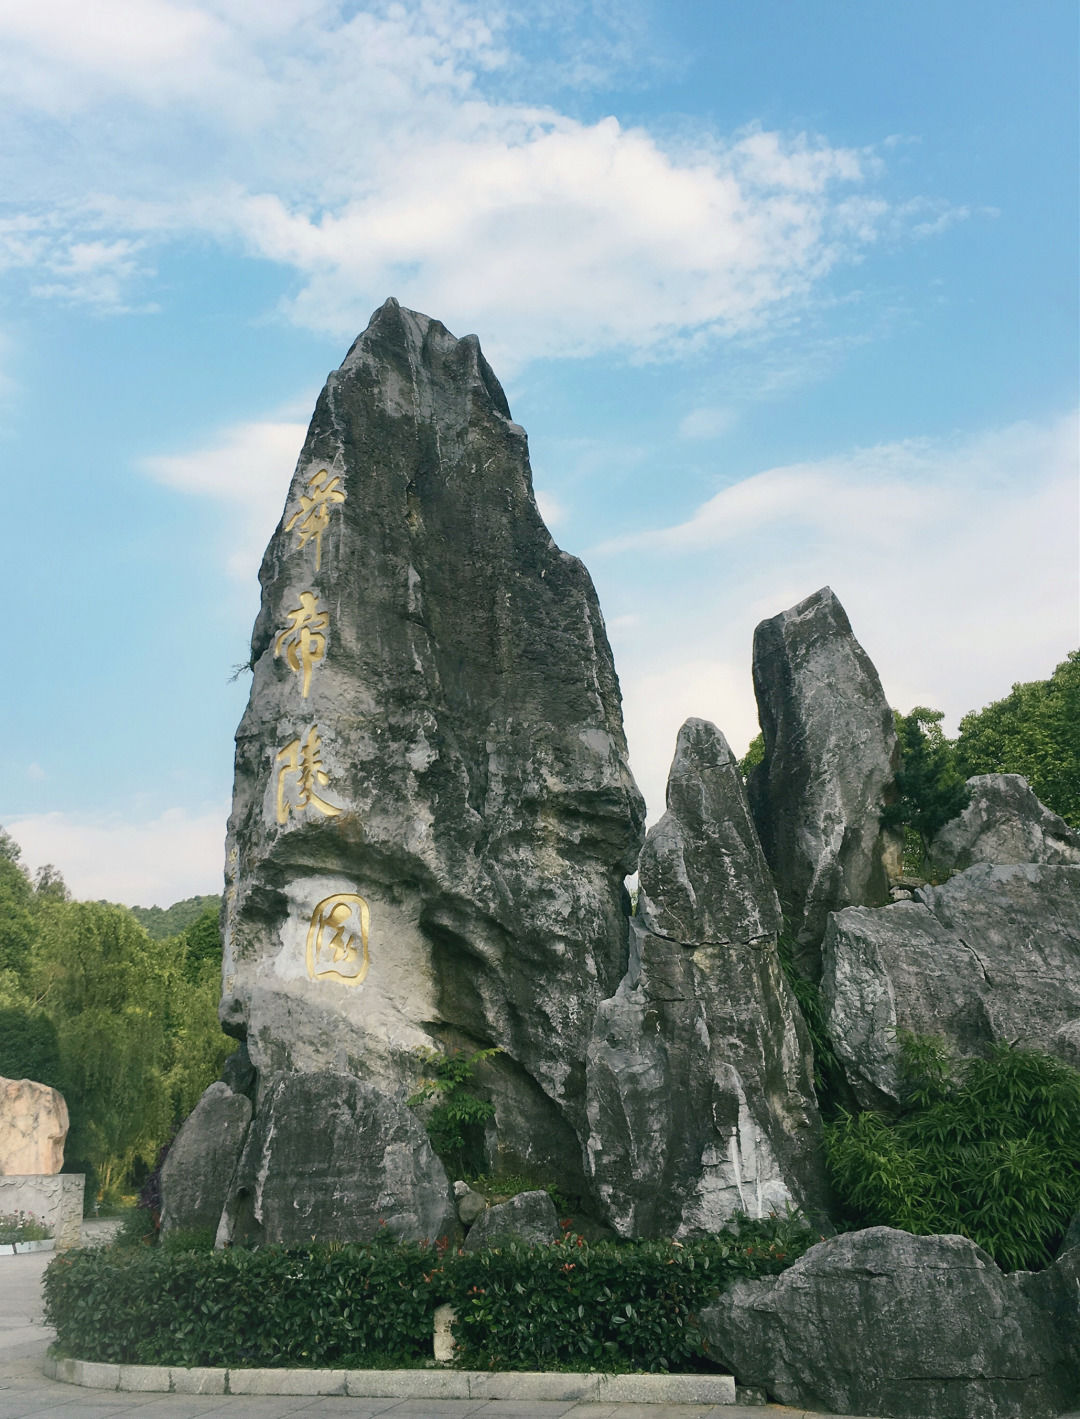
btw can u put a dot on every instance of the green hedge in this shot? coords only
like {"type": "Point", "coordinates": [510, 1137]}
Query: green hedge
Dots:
{"type": "Point", "coordinates": [613, 1307]}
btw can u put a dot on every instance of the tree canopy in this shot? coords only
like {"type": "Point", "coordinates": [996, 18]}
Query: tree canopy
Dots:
{"type": "Point", "coordinates": [930, 787]}
{"type": "Point", "coordinates": [123, 1025]}
{"type": "Point", "coordinates": [1034, 731]}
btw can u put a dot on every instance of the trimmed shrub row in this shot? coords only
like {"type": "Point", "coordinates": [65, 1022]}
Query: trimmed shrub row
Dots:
{"type": "Point", "coordinates": [613, 1307]}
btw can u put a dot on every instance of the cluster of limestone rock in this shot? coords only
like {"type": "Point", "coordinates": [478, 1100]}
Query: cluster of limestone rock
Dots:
{"type": "Point", "coordinates": [433, 820]}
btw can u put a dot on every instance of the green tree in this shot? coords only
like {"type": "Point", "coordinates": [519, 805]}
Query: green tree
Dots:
{"type": "Point", "coordinates": [1034, 731]}
{"type": "Point", "coordinates": [16, 919]}
{"type": "Point", "coordinates": [989, 1148]}
{"type": "Point", "coordinates": [930, 786]}
{"type": "Point", "coordinates": [100, 980]}
{"type": "Point", "coordinates": [162, 922]}
{"type": "Point", "coordinates": [196, 1047]}
{"type": "Point", "coordinates": [755, 754]}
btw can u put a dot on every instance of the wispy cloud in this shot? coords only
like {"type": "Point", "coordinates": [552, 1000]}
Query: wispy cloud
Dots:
{"type": "Point", "coordinates": [248, 467]}
{"type": "Point", "coordinates": [382, 148]}
{"type": "Point", "coordinates": [139, 863]}
{"type": "Point", "coordinates": [706, 423]}
{"type": "Point", "coordinates": [957, 561]}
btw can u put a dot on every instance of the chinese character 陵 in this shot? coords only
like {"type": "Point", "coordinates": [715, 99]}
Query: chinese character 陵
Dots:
{"type": "Point", "coordinates": [304, 762]}
{"type": "Point", "coordinates": [312, 518]}
{"type": "Point", "coordinates": [302, 640]}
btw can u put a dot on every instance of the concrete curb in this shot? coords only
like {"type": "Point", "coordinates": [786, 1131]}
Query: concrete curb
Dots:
{"type": "Point", "coordinates": [23, 1248]}
{"type": "Point", "coordinates": [397, 1384]}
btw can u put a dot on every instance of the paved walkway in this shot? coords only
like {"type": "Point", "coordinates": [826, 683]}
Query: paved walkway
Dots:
{"type": "Point", "coordinates": [26, 1394]}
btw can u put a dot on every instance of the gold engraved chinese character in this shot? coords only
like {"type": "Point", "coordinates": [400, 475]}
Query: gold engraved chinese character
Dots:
{"type": "Point", "coordinates": [312, 518]}
{"type": "Point", "coordinates": [304, 762]}
{"type": "Point", "coordinates": [337, 939]}
{"type": "Point", "coordinates": [302, 640]}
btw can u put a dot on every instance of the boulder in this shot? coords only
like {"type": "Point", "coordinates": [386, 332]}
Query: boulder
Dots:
{"type": "Point", "coordinates": [883, 1322]}
{"type": "Point", "coordinates": [331, 1157]}
{"type": "Point", "coordinates": [1004, 822]}
{"type": "Point", "coordinates": [701, 1100]}
{"type": "Point", "coordinates": [433, 813]}
{"type": "Point", "coordinates": [33, 1128]}
{"type": "Point", "coordinates": [992, 955]}
{"type": "Point", "coordinates": [468, 1203]}
{"type": "Point", "coordinates": [529, 1217]}
{"type": "Point", "coordinates": [198, 1169]}
{"type": "Point", "coordinates": [829, 768]}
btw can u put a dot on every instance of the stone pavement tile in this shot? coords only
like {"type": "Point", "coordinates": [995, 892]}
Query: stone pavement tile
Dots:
{"type": "Point", "coordinates": [221, 1406]}
{"type": "Point", "coordinates": [80, 1404]}
{"type": "Point", "coordinates": [665, 1411]}
{"type": "Point", "coordinates": [594, 1409]}
{"type": "Point", "coordinates": [435, 1408]}
{"type": "Point", "coordinates": [330, 1406]}
{"type": "Point", "coordinates": [527, 1408]}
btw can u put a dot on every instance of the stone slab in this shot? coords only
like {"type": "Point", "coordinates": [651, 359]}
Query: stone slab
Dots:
{"type": "Point", "coordinates": [143, 1379]}
{"type": "Point", "coordinates": [204, 1380]}
{"type": "Point", "coordinates": [55, 1199]}
{"type": "Point", "coordinates": [270, 1381]}
{"type": "Point", "coordinates": [535, 1384]}
{"type": "Point", "coordinates": [668, 1389]}
{"type": "Point", "coordinates": [513, 1386]}
{"type": "Point", "coordinates": [408, 1384]}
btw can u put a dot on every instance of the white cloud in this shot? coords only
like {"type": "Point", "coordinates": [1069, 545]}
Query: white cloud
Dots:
{"type": "Point", "coordinates": [706, 423]}
{"type": "Point", "coordinates": [151, 863]}
{"type": "Point", "coordinates": [957, 561]}
{"type": "Point", "coordinates": [248, 467]}
{"type": "Point", "coordinates": [551, 509]}
{"type": "Point", "coordinates": [375, 150]}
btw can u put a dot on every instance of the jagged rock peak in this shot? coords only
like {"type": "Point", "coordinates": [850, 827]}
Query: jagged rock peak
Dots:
{"type": "Point", "coordinates": [702, 872]}
{"type": "Point", "coordinates": [433, 812]}
{"type": "Point", "coordinates": [394, 329]}
{"type": "Point", "coordinates": [701, 1101]}
{"type": "Point", "coordinates": [829, 767]}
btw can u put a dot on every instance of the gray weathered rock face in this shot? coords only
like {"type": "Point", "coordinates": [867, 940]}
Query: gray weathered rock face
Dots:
{"type": "Point", "coordinates": [991, 955]}
{"type": "Point", "coordinates": [830, 764]}
{"type": "Point", "coordinates": [433, 813]}
{"type": "Point", "coordinates": [701, 1100]}
{"type": "Point", "coordinates": [1004, 822]}
{"type": "Point", "coordinates": [529, 1217]}
{"type": "Point", "coordinates": [882, 1322]}
{"type": "Point", "coordinates": [196, 1174]}
{"type": "Point", "coordinates": [332, 1157]}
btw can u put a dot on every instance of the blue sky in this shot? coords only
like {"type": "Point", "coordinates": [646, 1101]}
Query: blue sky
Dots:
{"type": "Point", "coordinates": [785, 294]}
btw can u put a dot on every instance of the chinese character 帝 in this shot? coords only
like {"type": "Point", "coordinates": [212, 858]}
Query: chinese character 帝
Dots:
{"type": "Point", "coordinates": [302, 640]}
{"type": "Point", "coordinates": [312, 518]}
{"type": "Point", "coordinates": [304, 761]}
{"type": "Point", "coordinates": [336, 950]}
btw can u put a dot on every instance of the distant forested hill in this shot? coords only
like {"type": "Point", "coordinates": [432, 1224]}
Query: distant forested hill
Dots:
{"type": "Point", "coordinates": [161, 922]}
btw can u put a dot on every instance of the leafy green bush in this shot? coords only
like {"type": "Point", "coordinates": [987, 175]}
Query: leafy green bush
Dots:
{"type": "Point", "coordinates": [606, 1307]}
{"type": "Point", "coordinates": [454, 1116]}
{"type": "Point", "coordinates": [989, 1149]}
{"type": "Point", "coordinates": [568, 1305]}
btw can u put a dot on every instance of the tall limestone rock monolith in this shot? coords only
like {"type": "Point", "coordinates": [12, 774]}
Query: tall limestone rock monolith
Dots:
{"type": "Point", "coordinates": [432, 813]}
{"type": "Point", "coordinates": [829, 766]}
{"type": "Point", "coordinates": [701, 1099]}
